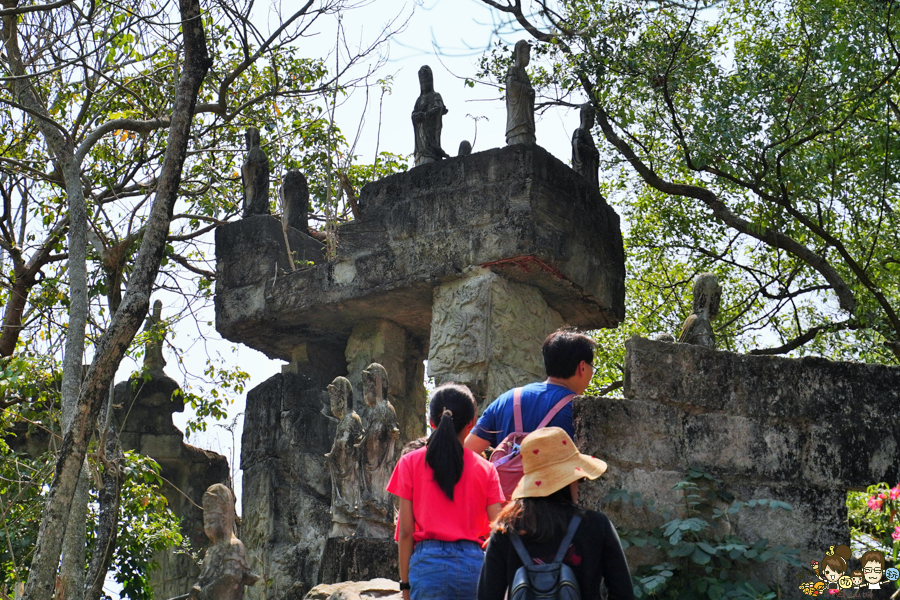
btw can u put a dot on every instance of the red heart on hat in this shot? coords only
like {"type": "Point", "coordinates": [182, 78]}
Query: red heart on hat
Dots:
{"type": "Point", "coordinates": [577, 468]}
{"type": "Point", "coordinates": [564, 442]}
{"type": "Point", "coordinates": [536, 451]}
{"type": "Point", "coordinates": [537, 483]}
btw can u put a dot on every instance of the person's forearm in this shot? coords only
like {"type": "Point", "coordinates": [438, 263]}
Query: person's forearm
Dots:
{"type": "Point", "coordinates": [405, 544]}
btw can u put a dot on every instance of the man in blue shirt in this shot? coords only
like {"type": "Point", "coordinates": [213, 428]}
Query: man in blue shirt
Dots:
{"type": "Point", "coordinates": [569, 363]}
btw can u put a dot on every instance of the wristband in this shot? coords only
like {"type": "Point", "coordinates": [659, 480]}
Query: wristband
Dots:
{"type": "Point", "coordinates": [404, 585]}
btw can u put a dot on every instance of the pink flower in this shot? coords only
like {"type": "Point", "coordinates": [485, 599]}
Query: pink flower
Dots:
{"type": "Point", "coordinates": [874, 503]}
{"type": "Point", "coordinates": [896, 534]}
{"type": "Point", "coordinates": [882, 496]}
{"type": "Point", "coordinates": [895, 492]}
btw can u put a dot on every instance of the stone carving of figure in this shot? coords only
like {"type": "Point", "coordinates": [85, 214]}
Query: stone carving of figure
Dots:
{"type": "Point", "coordinates": [294, 194]}
{"type": "Point", "coordinates": [225, 568]}
{"type": "Point", "coordinates": [465, 148]}
{"type": "Point", "coordinates": [427, 121]}
{"type": "Point", "coordinates": [585, 157]}
{"type": "Point", "coordinates": [255, 176]}
{"type": "Point", "coordinates": [697, 328]}
{"type": "Point", "coordinates": [153, 356]}
{"type": "Point", "coordinates": [343, 460]}
{"type": "Point", "coordinates": [377, 455]}
{"type": "Point", "coordinates": [519, 99]}
{"type": "Point", "coordinates": [664, 337]}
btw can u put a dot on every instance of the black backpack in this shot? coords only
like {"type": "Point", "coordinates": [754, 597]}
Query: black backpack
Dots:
{"type": "Point", "coordinates": [551, 581]}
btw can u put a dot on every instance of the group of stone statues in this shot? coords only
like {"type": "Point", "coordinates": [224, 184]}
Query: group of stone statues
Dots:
{"type": "Point", "coordinates": [429, 109]}
{"type": "Point", "coordinates": [362, 460]}
{"type": "Point", "coordinates": [427, 118]}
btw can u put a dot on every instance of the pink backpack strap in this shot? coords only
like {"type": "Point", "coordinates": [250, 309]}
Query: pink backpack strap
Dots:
{"type": "Point", "coordinates": [555, 410]}
{"type": "Point", "coordinates": [517, 409]}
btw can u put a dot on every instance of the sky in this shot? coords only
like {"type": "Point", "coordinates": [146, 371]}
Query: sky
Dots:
{"type": "Point", "coordinates": [449, 36]}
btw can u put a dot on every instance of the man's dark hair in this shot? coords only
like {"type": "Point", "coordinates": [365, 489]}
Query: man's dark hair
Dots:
{"type": "Point", "coordinates": [563, 351]}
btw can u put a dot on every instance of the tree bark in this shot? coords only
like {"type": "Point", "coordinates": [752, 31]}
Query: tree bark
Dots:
{"type": "Point", "coordinates": [127, 320]}
{"type": "Point", "coordinates": [109, 501]}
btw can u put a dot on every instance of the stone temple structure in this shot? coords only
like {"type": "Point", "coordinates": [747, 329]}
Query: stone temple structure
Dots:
{"type": "Point", "coordinates": [469, 263]}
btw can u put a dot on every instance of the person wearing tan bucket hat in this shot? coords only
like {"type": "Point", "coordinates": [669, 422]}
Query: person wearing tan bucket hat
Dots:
{"type": "Point", "coordinates": [544, 511]}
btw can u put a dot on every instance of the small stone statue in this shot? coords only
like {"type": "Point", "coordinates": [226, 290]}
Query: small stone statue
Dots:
{"type": "Point", "coordinates": [585, 157]}
{"type": "Point", "coordinates": [294, 195]}
{"type": "Point", "coordinates": [520, 99]}
{"type": "Point", "coordinates": [465, 148]}
{"type": "Point", "coordinates": [255, 176]}
{"type": "Point", "coordinates": [427, 120]}
{"type": "Point", "coordinates": [377, 455]}
{"type": "Point", "coordinates": [153, 349]}
{"type": "Point", "coordinates": [225, 568]}
{"type": "Point", "coordinates": [343, 460]}
{"type": "Point", "coordinates": [664, 337]}
{"type": "Point", "coordinates": [697, 328]}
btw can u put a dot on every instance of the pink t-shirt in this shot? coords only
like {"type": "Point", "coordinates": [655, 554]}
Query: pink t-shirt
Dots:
{"type": "Point", "coordinates": [436, 516]}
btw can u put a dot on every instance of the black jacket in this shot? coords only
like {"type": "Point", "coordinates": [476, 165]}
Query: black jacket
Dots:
{"type": "Point", "coordinates": [595, 555]}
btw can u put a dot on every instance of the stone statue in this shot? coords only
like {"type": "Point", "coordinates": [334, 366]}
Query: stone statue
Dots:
{"type": "Point", "coordinates": [255, 176]}
{"type": "Point", "coordinates": [153, 355]}
{"type": "Point", "coordinates": [465, 148]}
{"type": "Point", "coordinates": [427, 120]}
{"type": "Point", "coordinates": [664, 337]}
{"type": "Point", "coordinates": [585, 157]}
{"type": "Point", "coordinates": [697, 328]}
{"type": "Point", "coordinates": [519, 99]}
{"type": "Point", "coordinates": [225, 568]}
{"type": "Point", "coordinates": [343, 460]}
{"type": "Point", "coordinates": [294, 195]}
{"type": "Point", "coordinates": [377, 455]}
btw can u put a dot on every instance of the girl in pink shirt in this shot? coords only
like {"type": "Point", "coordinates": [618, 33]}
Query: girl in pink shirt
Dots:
{"type": "Point", "coordinates": [448, 497]}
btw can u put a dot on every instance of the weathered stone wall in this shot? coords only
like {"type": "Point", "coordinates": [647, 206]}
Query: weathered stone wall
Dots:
{"type": "Point", "coordinates": [287, 487]}
{"type": "Point", "coordinates": [801, 431]}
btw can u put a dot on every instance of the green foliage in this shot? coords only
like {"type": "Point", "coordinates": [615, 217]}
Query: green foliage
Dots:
{"type": "Point", "coordinates": [779, 120]}
{"type": "Point", "coordinates": [23, 481]}
{"type": "Point", "coordinates": [873, 517]}
{"type": "Point", "coordinates": [698, 557]}
{"type": "Point", "coordinates": [146, 525]}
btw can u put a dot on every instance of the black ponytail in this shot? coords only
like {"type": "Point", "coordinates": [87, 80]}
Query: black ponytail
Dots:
{"type": "Point", "coordinates": [452, 408]}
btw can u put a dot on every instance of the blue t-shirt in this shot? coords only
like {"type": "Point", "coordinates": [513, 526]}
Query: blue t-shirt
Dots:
{"type": "Point", "coordinates": [498, 420]}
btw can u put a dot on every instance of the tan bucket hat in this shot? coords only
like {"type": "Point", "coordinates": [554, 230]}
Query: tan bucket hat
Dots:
{"type": "Point", "coordinates": [551, 461]}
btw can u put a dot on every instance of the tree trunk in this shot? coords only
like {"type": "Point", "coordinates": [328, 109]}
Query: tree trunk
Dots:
{"type": "Point", "coordinates": [126, 322]}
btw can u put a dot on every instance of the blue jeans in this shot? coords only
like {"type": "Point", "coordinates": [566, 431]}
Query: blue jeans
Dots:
{"type": "Point", "coordinates": [445, 570]}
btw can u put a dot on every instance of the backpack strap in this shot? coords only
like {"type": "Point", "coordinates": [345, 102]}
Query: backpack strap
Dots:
{"type": "Point", "coordinates": [554, 410]}
{"type": "Point", "coordinates": [567, 541]}
{"type": "Point", "coordinates": [517, 409]}
{"type": "Point", "coordinates": [520, 548]}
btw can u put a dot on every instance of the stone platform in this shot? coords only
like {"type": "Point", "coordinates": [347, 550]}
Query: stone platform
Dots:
{"type": "Point", "coordinates": [517, 211]}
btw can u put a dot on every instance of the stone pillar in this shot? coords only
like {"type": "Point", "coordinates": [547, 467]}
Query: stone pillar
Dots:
{"type": "Point", "coordinates": [486, 332]}
{"type": "Point", "coordinates": [384, 342]}
{"type": "Point", "coordinates": [287, 487]}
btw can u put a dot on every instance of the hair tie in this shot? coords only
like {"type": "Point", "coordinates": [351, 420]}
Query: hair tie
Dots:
{"type": "Point", "coordinates": [448, 413]}
{"type": "Point", "coordinates": [830, 551]}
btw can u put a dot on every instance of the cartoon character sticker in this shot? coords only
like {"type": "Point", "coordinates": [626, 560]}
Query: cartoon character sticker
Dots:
{"type": "Point", "coordinates": [872, 568]}
{"type": "Point", "coordinates": [833, 578]}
